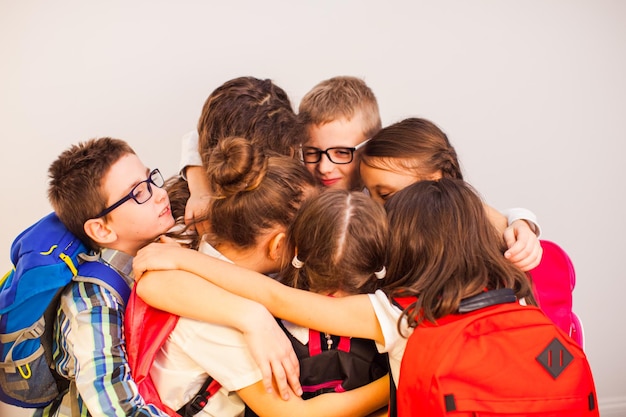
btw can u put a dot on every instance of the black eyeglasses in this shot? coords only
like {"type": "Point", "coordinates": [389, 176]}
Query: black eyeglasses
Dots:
{"type": "Point", "coordinates": [336, 155]}
{"type": "Point", "coordinates": [141, 192]}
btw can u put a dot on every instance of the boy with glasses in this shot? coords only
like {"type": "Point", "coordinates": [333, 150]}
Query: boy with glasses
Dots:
{"type": "Point", "coordinates": [106, 196]}
{"type": "Point", "coordinates": [339, 114]}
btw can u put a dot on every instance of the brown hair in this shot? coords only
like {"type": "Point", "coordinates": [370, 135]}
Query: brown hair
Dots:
{"type": "Point", "coordinates": [252, 192]}
{"type": "Point", "coordinates": [75, 189]}
{"type": "Point", "coordinates": [340, 236]}
{"type": "Point", "coordinates": [178, 192]}
{"type": "Point", "coordinates": [340, 97]}
{"type": "Point", "coordinates": [413, 145]}
{"type": "Point", "coordinates": [248, 107]}
{"type": "Point", "coordinates": [443, 248]}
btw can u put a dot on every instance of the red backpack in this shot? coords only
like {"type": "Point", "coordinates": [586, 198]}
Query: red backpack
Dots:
{"type": "Point", "coordinates": [146, 330]}
{"type": "Point", "coordinates": [494, 358]}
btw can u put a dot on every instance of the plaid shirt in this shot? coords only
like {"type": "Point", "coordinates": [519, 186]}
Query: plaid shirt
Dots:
{"type": "Point", "coordinates": [90, 351]}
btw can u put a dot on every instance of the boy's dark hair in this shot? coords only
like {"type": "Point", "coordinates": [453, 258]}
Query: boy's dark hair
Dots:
{"type": "Point", "coordinates": [75, 189]}
{"type": "Point", "coordinates": [340, 97]}
{"type": "Point", "coordinates": [248, 107]}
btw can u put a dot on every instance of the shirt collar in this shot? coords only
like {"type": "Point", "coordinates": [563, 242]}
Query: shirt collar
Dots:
{"type": "Point", "coordinates": [120, 261]}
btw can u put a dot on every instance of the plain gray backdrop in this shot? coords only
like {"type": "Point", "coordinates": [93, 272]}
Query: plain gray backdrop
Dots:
{"type": "Point", "coordinates": [532, 94]}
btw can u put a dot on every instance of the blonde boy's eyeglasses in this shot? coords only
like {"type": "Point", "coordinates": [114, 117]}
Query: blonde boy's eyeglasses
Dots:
{"type": "Point", "coordinates": [336, 155]}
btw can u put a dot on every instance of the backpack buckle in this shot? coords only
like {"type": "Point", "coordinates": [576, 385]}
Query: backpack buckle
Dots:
{"type": "Point", "coordinates": [196, 405]}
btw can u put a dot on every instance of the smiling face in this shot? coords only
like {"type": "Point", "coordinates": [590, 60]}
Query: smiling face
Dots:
{"type": "Point", "coordinates": [338, 133]}
{"type": "Point", "coordinates": [135, 225]}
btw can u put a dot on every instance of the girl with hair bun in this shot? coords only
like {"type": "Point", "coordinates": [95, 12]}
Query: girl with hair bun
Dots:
{"type": "Point", "coordinates": [255, 198]}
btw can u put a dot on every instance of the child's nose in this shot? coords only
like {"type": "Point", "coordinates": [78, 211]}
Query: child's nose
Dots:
{"type": "Point", "coordinates": [325, 165]}
{"type": "Point", "coordinates": [159, 193]}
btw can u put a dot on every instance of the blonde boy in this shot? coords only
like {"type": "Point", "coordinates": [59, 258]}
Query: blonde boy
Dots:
{"type": "Point", "coordinates": [339, 114]}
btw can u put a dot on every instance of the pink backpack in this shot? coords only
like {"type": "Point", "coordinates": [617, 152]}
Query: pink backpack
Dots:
{"type": "Point", "coordinates": [553, 282]}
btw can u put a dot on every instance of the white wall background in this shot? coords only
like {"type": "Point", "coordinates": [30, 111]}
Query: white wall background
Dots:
{"type": "Point", "coordinates": [532, 93]}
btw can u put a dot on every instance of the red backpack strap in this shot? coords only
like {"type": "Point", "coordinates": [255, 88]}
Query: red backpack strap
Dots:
{"type": "Point", "coordinates": [146, 330]}
{"type": "Point", "coordinates": [315, 342]}
{"type": "Point", "coordinates": [344, 344]}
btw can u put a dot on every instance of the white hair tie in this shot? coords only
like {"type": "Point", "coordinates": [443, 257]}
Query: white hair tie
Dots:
{"type": "Point", "coordinates": [382, 273]}
{"type": "Point", "coordinates": [297, 263]}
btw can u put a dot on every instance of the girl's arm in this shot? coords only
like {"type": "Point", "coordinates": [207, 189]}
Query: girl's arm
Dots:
{"type": "Point", "coordinates": [357, 402]}
{"type": "Point", "coordinates": [497, 219]}
{"type": "Point", "coordinates": [347, 316]}
{"type": "Point", "coordinates": [175, 292]}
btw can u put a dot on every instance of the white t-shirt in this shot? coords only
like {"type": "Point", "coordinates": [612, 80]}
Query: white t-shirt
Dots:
{"type": "Point", "coordinates": [395, 343]}
{"type": "Point", "coordinates": [190, 155]}
{"type": "Point", "coordinates": [196, 349]}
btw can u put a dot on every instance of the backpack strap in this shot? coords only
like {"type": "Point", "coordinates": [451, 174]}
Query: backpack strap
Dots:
{"type": "Point", "coordinates": [486, 299]}
{"type": "Point", "coordinates": [200, 400]}
{"type": "Point", "coordinates": [101, 274]}
{"type": "Point", "coordinates": [393, 401]}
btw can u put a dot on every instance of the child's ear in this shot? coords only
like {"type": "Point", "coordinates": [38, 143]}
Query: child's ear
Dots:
{"type": "Point", "coordinates": [99, 232]}
{"type": "Point", "coordinates": [276, 246]}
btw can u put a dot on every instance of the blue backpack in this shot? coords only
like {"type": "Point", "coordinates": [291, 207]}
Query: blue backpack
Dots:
{"type": "Point", "coordinates": [45, 259]}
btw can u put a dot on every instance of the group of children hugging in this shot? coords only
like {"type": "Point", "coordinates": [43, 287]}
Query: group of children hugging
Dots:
{"type": "Point", "coordinates": [280, 250]}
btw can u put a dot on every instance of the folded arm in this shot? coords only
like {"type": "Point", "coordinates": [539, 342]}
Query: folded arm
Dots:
{"type": "Point", "coordinates": [185, 294]}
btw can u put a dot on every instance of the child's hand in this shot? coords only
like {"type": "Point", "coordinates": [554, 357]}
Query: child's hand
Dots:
{"type": "Point", "coordinates": [524, 247]}
{"type": "Point", "coordinates": [156, 256]}
{"type": "Point", "coordinates": [196, 209]}
{"type": "Point", "coordinates": [199, 197]}
{"type": "Point", "coordinates": [273, 352]}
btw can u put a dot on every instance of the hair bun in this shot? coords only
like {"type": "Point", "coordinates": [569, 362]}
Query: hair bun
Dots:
{"type": "Point", "coordinates": [235, 165]}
